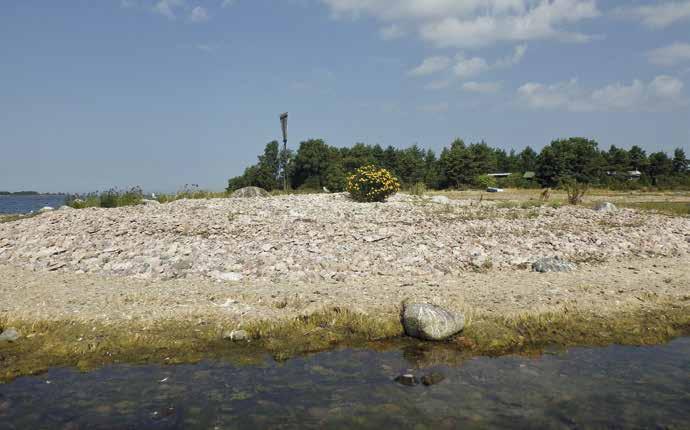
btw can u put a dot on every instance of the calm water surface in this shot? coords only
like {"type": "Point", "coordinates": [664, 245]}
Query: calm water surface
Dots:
{"type": "Point", "coordinates": [613, 387]}
{"type": "Point", "coordinates": [26, 204]}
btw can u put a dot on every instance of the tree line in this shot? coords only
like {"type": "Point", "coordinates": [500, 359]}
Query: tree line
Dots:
{"type": "Point", "coordinates": [316, 164]}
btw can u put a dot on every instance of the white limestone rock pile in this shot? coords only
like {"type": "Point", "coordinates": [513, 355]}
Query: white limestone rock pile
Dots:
{"type": "Point", "coordinates": [327, 237]}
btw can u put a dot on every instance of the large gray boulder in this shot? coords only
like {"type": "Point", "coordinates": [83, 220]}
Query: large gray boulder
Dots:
{"type": "Point", "coordinates": [9, 335]}
{"type": "Point", "coordinates": [605, 207]}
{"type": "Point", "coordinates": [248, 192]}
{"type": "Point", "coordinates": [441, 200]}
{"type": "Point", "coordinates": [429, 322]}
{"type": "Point", "coordinates": [552, 264]}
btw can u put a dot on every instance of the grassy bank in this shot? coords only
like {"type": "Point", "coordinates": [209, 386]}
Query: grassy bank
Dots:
{"type": "Point", "coordinates": [15, 217]}
{"type": "Point", "coordinates": [87, 346]}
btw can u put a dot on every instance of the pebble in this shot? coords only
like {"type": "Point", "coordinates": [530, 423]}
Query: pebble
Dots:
{"type": "Point", "coordinates": [236, 335]}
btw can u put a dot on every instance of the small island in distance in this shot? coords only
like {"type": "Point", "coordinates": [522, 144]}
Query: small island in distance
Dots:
{"type": "Point", "coordinates": [27, 193]}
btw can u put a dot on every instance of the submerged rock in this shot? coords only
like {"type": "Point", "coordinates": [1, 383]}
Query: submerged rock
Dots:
{"type": "Point", "coordinates": [429, 322]}
{"type": "Point", "coordinates": [406, 379]}
{"type": "Point", "coordinates": [9, 335]}
{"type": "Point", "coordinates": [432, 378]}
{"type": "Point", "coordinates": [605, 207]}
{"type": "Point", "coordinates": [552, 264]}
{"type": "Point", "coordinates": [248, 192]}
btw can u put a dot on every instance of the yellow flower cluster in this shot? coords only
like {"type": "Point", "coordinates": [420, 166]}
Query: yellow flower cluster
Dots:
{"type": "Point", "coordinates": [371, 184]}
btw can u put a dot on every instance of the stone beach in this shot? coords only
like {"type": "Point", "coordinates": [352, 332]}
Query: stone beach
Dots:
{"type": "Point", "coordinates": [327, 238]}
{"type": "Point", "coordinates": [304, 272]}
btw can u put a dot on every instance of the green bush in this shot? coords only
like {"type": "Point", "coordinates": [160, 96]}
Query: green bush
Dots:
{"type": "Point", "coordinates": [112, 198]}
{"type": "Point", "coordinates": [370, 184]}
{"type": "Point", "coordinates": [485, 181]}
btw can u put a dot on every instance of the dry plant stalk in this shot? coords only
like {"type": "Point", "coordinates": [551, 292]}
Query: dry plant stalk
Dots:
{"type": "Point", "coordinates": [545, 195]}
{"type": "Point", "coordinates": [576, 191]}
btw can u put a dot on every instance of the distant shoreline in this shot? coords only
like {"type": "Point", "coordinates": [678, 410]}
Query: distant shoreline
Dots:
{"type": "Point", "coordinates": [29, 193]}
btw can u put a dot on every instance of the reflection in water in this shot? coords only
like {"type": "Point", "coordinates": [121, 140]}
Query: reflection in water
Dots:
{"type": "Point", "coordinates": [618, 387]}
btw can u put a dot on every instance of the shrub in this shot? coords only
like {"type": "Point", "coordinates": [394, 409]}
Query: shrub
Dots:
{"type": "Point", "coordinates": [370, 184]}
{"type": "Point", "coordinates": [576, 190]}
{"type": "Point", "coordinates": [418, 189]}
{"type": "Point", "coordinates": [112, 198]}
{"type": "Point", "coordinates": [485, 181]}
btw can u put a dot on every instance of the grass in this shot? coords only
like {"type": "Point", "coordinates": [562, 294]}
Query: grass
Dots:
{"type": "Point", "coordinates": [669, 208]}
{"type": "Point", "coordinates": [191, 192]}
{"type": "Point", "coordinates": [111, 198]}
{"type": "Point", "coordinates": [16, 217]}
{"type": "Point", "coordinates": [87, 346]}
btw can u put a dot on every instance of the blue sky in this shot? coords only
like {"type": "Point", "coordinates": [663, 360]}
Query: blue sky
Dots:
{"type": "Point", "coordinates": [160, 93]}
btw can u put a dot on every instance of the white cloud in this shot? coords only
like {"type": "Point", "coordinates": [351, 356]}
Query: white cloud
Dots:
{"type": "Point", "coordinates": [434, 107]}
{"type": "Point", "coordinates": [391, 32]}
{"type": "Point", "coordinates": [671, 55]}
{"type": "Point", "coordinates": [662, 93]}
{"type": "Point", "coordinates": [482, 87]}
{"type": "Point", "coordinates": [659, 15]}
{"type": "Point", "coordinates": [468, 67]}
{"type": "Point", "coordinates": [209, 49]}
{"type": "Point", "coordinates": [514, 59]}
{"type": "Point", "coordinates": [167, 7]}
{"type": "Point", "coordinates": [431, 65]}
{"type": "Point", "coordinates": [476, 23]}
{"type": "Point", "coordinates": [438, 84]}
{"type": "Point", "coordinates": [199, 14]}
{"type": "Point", "coordinates": [227, 3]}
{"type": "Point", "coordinates": [464, 68]}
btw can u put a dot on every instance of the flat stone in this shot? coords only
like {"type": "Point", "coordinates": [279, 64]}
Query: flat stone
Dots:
{"type": "Point", "coordinates": [226, 276]}
{"type": "Point", "coordinates": [553, 264]}
{"type": "Point", "coordinates": [429, 322]}
{"type": "Point", "coordinates": [441, 200]}
{"type": "Point", "coordinates": [46, 209]}
{"type": "Point", "coordinates": [183, 264]}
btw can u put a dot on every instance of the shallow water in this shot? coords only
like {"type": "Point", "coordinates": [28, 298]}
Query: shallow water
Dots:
{"type": "Point", "coordinates": [612, 387]}
{"type": "Point", "coordinates": [31, 203]}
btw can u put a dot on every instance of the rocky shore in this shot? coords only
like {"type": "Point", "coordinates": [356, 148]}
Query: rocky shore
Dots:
{"type": "Point", "coordinates": [301, 273]}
